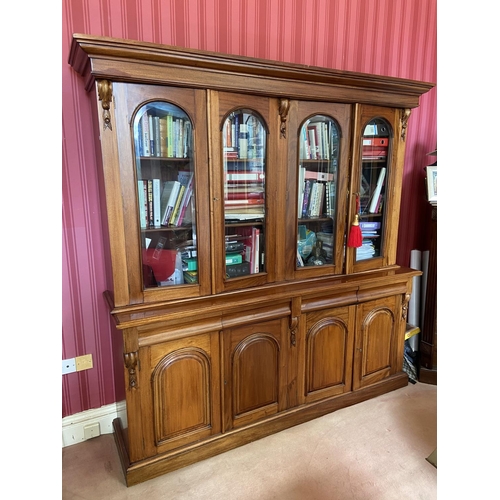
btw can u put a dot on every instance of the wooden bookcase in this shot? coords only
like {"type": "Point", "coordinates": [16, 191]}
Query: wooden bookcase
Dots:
{"type": "Point", "coordinates": [249, 313]}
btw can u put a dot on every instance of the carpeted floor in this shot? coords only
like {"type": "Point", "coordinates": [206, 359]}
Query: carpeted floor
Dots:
{"type": "Point", "coordinates": [376, 450]}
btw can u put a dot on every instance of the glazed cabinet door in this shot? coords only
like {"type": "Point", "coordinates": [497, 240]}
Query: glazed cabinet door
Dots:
{"type": "Point", "coordinates": [254, 372]}
{"type": "Point", "coordinates": [379, 342]}
{"type": "Point", "coordinates": [245, 175]}
{"type": "Point", "coordinates": [375, 191]}
{"type": "Point", "coordinates": [326, 364]}
{"type": "Point", "coordinates": [158, 174]}
{"type": "Point", "coordinates": [318, 163]}
{"type": "Point", "coordinates": [177, 399]}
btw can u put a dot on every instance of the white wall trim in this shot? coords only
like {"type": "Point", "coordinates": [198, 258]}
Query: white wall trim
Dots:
{"type": "Point", "coordinates": [73, 425]}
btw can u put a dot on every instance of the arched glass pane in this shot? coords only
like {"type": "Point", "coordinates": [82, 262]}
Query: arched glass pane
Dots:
{"type": "Point", "coordinates": [244, 146]}
{"type": "Point", "coordinates": [372, 189]}
{"type": "Point", "coordinates": [163, 139]}
{"type": "Point", "coordinates": [317, 191]}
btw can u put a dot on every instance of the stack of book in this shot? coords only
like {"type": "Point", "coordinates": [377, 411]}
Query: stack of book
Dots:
{"type": "Point", "coordinates": [316, 141]}
{"type": "Point", "coordinates": [244, 193]}
{"type": "Point", "coordinates": [243, 137]}
{"type": "Point", "coordinates": [375, 148]}
{"type": "Point", "coordinates": [168, 205]}
{"type": "Point", "coordinates": [164, 136]}
{"type": "Point", "coordinates": [369, 232]}
{"type": "Point", "coordinates": [316, 193]}
{"type": "Point", "coordinates": [176, 200]}
{"type": "Point", "coordinates": [243, 252]}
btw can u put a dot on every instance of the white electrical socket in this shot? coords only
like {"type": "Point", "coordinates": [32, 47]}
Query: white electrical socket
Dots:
{"type": "Point", "coordinates": [68, 366]}
{"type": "Point", "coordinates": [92, 431]}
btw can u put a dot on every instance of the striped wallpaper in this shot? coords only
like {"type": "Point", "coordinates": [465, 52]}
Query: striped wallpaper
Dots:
{"type": "Point", "coordinates": [388, 37]}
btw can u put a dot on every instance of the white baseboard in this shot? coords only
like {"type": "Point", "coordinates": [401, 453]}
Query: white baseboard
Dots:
{"type": "Point", "coordinates": [73, 426]}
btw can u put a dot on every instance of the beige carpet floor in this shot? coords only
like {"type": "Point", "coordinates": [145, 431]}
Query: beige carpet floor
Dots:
{"type": "Point", "coordinates": [376, 450]}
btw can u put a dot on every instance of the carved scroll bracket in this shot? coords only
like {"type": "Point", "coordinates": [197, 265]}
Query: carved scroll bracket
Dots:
{"type": "Point", "coordinates": [294, 321]}
{"type": "Point", "coordinates": [131, 359]}
{"type": "Point", "coordinates": [105, 91]}
{"type": "Point", "coordinates": [284, 108]}
{"type": "Point", "coordinates": [404, 308]}
{"type": "Point", "coordinates": [405, 115]}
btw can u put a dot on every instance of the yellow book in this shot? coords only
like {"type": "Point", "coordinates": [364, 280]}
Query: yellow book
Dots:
{"type": "Point", "coordinates": [177, 205]}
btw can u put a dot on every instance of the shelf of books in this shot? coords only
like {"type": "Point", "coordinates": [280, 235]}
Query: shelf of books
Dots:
{"type": "Point", "coordinates": [317, 191]}
{"type": "Point", "coordinates": [375, 148]}
{"type": "Point", "coordinates": [244, 147]}
{"type": "Point", "coordinates": [166, 195]}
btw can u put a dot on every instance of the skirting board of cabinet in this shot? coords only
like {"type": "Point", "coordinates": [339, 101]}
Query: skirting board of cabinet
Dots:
{"type": "Point", "coordinates": [156, 466]}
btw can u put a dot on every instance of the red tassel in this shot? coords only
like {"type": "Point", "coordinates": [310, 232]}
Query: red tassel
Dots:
{"type": "Point", "coordinates": [355, 238]}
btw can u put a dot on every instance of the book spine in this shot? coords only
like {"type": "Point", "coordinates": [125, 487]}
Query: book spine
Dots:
{"type": "Point", "coordinates": [163, 137]}
{"type": "Point", "coordinates": [145, 135]}
{"type": "Point", "coordinates": [307, 192]}
{"type": "Point", "coordinates": [150, 203]}
{"type": "Point", "coordinates": [171, 202]}
{"type": "Point", "coordinates": [142, 204]}
{"type": "Point", "coordinates": [177, 205]}
{"type": "Point", "coordinates": [234, 258]}
{"type": "Point", "coordinates": [156, 123]}
{"type": "Point", "coordinates": [243, 141]}
{"type": "Point", "coordinates": [151, 136]}
{"type": "Point", "coordinates": [156, 203]}
{"type": "Point", "coordinates": [376, 193]}
{"type": "Point", "coordinates": [311, 211]}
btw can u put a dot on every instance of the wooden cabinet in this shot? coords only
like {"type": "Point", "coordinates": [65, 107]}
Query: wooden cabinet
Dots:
{"type": "Point", "coordinates": [231, 186]}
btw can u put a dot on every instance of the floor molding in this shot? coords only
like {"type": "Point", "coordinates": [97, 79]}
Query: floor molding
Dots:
{"type": "Point", "coordinates": [73, 426]}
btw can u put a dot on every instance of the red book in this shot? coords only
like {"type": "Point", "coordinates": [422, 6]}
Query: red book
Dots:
{"type": "Point", "coordinates": [376, 141]}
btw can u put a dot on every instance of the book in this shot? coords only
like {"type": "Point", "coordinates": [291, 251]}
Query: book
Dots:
{"type": "Point", "coordinates": [370, 152]}
{"type": "Point", "coordinates": [157, 135]}
{"type": "Point", "coordinates": [156, 203]}
{"type": "Point", "coordinates": [233, 258]}
{"type": "Point", "coordinates": [367, 225]}
{"type": "Point", "coordinates": [151, 135]}
{"type": "Point", "coordinates": [244, 202]}
{"type": "Point", "coordinates": [169, 197]}
{"type": "Point", "coordinates": [145, 135]}
{"type": "Point", "coordinates": [150, 202]}
{"type": "Point", "coordinates": [175, 211]}
{"type": "Point", "coordinates": [232, 176]}
{"type": "Point", "coordinates": [378, 189]}
{"type": "Point", "coordinates": [142, 204]}
{"type": "Point", "coordinates": [170, 132]}
{"type": "Point", "coordinates": [163, 136]}
{"type": "Point", "coordinates": [300, 194]}
{"type": "Point", "coordinates": [376, 141]}
{"type": "Point", "coordinates": [185, 200]}
{"type": "Point", "coordinates": [318, 176]}
{"type": "Point", "coordinates": [235, 270]}
{"type": "Point", "coordinates": [305, 202]}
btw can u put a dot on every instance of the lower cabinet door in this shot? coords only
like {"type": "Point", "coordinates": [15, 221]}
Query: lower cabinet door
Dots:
{"type": "Point", "coordinates": [379, 341]}
{"type": "Point", "coordinates": [327, 354]}
{"type": "Point", "coordinates": [181, 392]}
{"type": "Point", "coordinates": [254, 372]}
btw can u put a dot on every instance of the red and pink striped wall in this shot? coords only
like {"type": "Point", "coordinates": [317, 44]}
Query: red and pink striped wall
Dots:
{"type": "Point", "coordinates": [388, 37]}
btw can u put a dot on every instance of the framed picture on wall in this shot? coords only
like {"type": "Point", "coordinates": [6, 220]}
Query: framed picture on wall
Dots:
{"type": "Point", "coordinates": [431, 182]}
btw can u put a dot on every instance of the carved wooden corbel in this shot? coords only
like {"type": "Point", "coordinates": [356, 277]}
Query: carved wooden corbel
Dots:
{"type": "Point", "coordinates": [105, 91]}
{"type": "Point", "coordinates": [294, 321]}
{"type": "Point", "coordinates": [131, 365]}
{"type": "Point", "coordinates": [404, 308]}
{"type": "Point", "coordinates": [405, 115]}
{"type": "Point", "coordinates": [284, 108]}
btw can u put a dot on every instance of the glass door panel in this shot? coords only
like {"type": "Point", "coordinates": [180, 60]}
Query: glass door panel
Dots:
{"type": "Point", "coordinates": [244, 166]}
{"type": "Point", "coordinates": [163, 140]}
{"type": "Point", "coordinates": [317, 192]}
{"type": "Point", "coordinates": [372, 192]}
